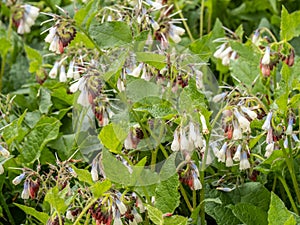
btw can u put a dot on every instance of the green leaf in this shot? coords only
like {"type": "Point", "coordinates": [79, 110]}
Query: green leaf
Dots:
{"type": "Point", "coordinates": [35, 59]}
{"type": "Point", "coordinates": [112, 137]}
{"type": "Point", "coordinates": [221, 213]}
{"type": "Point", "coordinates": [278, 213]}
{"type": "Point", "coordinates": [178, 220]}
{"type": "Point", "coordinates": [157, 107]}
{"type": "Point", "coordinates": [156, 60]}
{"type": "Point", "coordinates": [41, 216]}
{"type": "Point", "coordinates": [191, 99]}
{"type": "Point", "coordinates": [114, 169]}
{"type": "Point", "coordinates": [205, 46]}
{"type": "Point", "coordinates": [83, 175]}
{"type": "Point", "coordinates": [45, 130]}
{"type": "Point", "coordinates": [117, 65]}
{"type": "Point", "coordinates": [80, 39]}
{"type": "Point", "coordinates": [5, 46]}
{"type": "Point", "coordinates": [201, 47]}
{"type": "Point", "coordinates": [155, 215]}
{"type": "Point", "coordinates": [139, 89]}
{"type": "Point", "coordinates": [45, 100]}
{"type": "Point", "coordinates": [167, 197]}
{"type": "Point", "coordinates": [110, 34]}
{"type": "Point", "coordinates": [289, 27]}
{"type": "Point", "coordinates": [244, 71]}
{"type": "Point", "coordinates": [63, 146]}
{"type": "Point", "coordinates": [56, 199]}
{"type": "Point", "coordinates": [14, 130]}
{"type": "Point", "coordinates": [84, 16]}
{"type": "Point", "coordinates": [99, 188]}
{"type": "Point", "coordinates": [250, 214]}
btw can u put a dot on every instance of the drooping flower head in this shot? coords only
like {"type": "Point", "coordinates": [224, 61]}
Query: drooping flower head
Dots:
{"type": "Point", "coordinates": [24, 17]}
{"type": "Point", "coordinates": [60, 34]}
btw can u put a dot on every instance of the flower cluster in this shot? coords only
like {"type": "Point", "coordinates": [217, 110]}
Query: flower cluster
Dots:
{"type": "Point", "coordinates": [60, 34]}
{"type": "Point", "coordinates": [91, 87]}
{"type": "Point", "coordinates": [272, 53]}
{"type": "Point", "coordinates": [236, 127]}
{"type": "Point", "coordinates": [106, 210]}
{"type": "Point", "coordinates": [190, 176]}
{"type": "Point", "coordinates": [5, 154]}
{"type": "Point", "coordinates": [164, 25]}
{"type": "Point", "coordinates": [225, 53]}
{"type": "Point", "coordinates": [24, 17]}
{"type": "Point", "coordinates": [188, 138]}
{"type": "Point", "coordinates": [289, 136]}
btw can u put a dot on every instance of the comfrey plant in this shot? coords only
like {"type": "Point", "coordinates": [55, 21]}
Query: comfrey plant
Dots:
{"type": "Point", "coordinates": [127, 126]}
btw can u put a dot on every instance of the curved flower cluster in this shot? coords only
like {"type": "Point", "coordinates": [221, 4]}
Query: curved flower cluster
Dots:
{"type": "Point", "coordinates": [24, 17]}
{"type": "Point", "coordinates": [61, 34]}
{"type": "Point", "coordinates": [105, 211]}
{"type": "Point", "coordinates": [91, 87]}
{"type": "Point", "coordinates": [289, 136]}
{"type": "Point", "coordinates": [190, 176]}
{"type": "Point", "coordinates": [236, 124]}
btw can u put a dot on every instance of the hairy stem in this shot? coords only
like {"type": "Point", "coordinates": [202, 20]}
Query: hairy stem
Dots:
{"type": "Point", "coordinates": [201, 17]}
{"type": "Point", "coordinates": [186, 199]}
{"type": "Point", "coordinates": [287, 190]}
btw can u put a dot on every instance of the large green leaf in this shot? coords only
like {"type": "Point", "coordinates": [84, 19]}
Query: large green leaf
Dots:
{"type": "Point", "coordinates": [278, 213]}
{"type": "Point", "coordinates": [35, 59]}
{"type": "Point", "coordinates": [167, 196]}
{"type": "Point", "coordinates": [114, 169]}
{"type": "Point", "coordinates": [45, 130]}
{"type": "Point", "coordinates": [45, 100]}
{"type": "Point", "coordinates": [205, 46]}
{"type": "Point", "coordinates": [110, 34]}
{"type": "Point", "coordinates": [112, 137]}
{"type": "Point", "coordinates": [178, 220]}
{"type": "Point", "coordinates": [191, 99]}
{"type": "Point", "coordinates": [56, 199]}
{"type": "Point", "coordinates": [5, 46]}
{"type": "Point", "coordinates": [249, 214]}
{"type": "Point", "coordinates": [41, 216]}
{"type": "Point", "coordinates": [86, 14]}
{"type": "Point", "coordinates": [99, 188]}
{"type": "Point", "coordinates": [156, 60]}
{"type": "Point", "coordinates": [139, 89]}
{"type": "Point", "coordinates": [289, 27]}
{"type": "Point", "coordinates": [83, 175]}
{"type": "Point", "coordinates": [155, 215]}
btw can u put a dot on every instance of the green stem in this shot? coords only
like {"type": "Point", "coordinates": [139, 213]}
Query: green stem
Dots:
{"type": "Point", "coordinates": [286, 188]}
{"type": "Point", "coordinates": [59, 218]}
{"type": "Point", "coordinates": [185, 197]}
{"type": "Point", "coordinates": [269, 32]}
{"type": "Point", "coordinates": [153, 159]}
{"type": "Point", "coordinates": [87, 220]}
{"type": "Point", "coordinates": [274, 183]}
{"type": "Point", "coordinates": [194, 199]}
{"type": "Point", "coordinates": [202, 170]}
{"type": "Point", "coordinates": [83, 212]}
{"type": "Point", "coordinates": [3, 62]}
{"type": "Point", "coordinates": [201, 18]}
{"type": "Point", "coordinates": [6, 209]}
{"type": "Point", "coordinates": [290, 165]}
{"type": "Point", "coordinates": [186, 26]}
